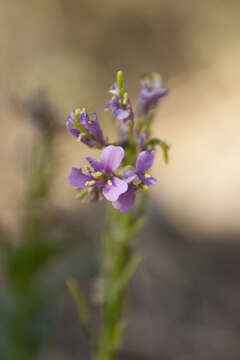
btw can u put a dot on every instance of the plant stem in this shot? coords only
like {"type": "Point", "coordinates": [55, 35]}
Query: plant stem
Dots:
{"type": "Point", "coordinates": [116, 273]}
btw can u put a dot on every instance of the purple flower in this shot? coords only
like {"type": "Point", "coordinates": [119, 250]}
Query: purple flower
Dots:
{"type": "Point", "coordinates": [136, 178]}
{"type": "Point", "coordinates": [101, 177]}
{"type": "Point", "coordinates": [151, 92]}
{"type": "Point", "coordinates": [85, 127]}
{"type": "Point", "coordinates": [144, 162]}
{"type": "Point", "coordinates": [120, 111]}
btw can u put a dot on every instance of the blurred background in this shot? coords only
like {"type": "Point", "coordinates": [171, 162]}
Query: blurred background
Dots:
{"type": "Point", "coordinates": [58, 55]}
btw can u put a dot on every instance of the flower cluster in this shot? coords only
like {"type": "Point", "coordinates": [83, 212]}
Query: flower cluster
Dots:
{"type": "Point", "coordinates": [85, 127]}
{"type": "Point", "coordinates": [121, 107]}
{"type": "Point", "coordinates": [122, 170]}
{"type": "Point", "coordinates": [151, 92]}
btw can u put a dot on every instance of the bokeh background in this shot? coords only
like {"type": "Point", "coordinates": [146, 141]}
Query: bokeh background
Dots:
{"type": "Point", "coordinates": [57, 55]}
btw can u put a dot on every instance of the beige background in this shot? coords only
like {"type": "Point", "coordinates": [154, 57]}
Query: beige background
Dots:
{"type": "Point", "coordinates": [73, 48]}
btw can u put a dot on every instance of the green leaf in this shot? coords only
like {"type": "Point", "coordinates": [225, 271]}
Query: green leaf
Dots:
{"type": "Point", "coordinates": [82, 194]}
{"type": "Point", "coordinates": [165, 148]}
{"type": "Point", "coordinates": [117, 334]}
{"type": "Point", "coordinates": [80, 302]}
{"type": "Point", "coordinates": [25, 261]}
{"type": "Point", "coordinates": [122, 281]}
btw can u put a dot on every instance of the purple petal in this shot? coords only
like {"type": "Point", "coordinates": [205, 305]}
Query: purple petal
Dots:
{"type": "Point", "coordinates": [78, 179]}
{"type": "Point", "coordinates": [92, 126]}
{"type": "Point", "coordinates": [90, 142]}
{"type": "Point", "coordinates": [111, 157]}
{"type": "Point", "coordinates": [141, 137]}
{"type": "Point", "coordinates": [118, 112]}
{"type": "Point", "coordinates": [72, 130]}
{"type": "Point", "coordinates": [121, 114]}
{"type": "Point", "coordinates": [108, 105]}
{"type": "Point", "coordinates": [149, 181]}
{"type": "Point", "coordinates": [124, 132]}
{"type": "Point", "coordinates": [125, 201]}
{"type": "Point", "coordinates": [70, 125]}
{"type": "Point", "coordinates": [150, 95]}
{"type": "Point", "coordinates": [114, 86]}
{"type": "Point", "coordinates": [112, 192]}
{"type": "Point", "coordinates": [145, 160]}
{"type": "Point", "coordinates": [94, 163]}
{"type": "Point", "coordinates": [71, 117]}
{"type": "Point", "coordinates": [129, 176]}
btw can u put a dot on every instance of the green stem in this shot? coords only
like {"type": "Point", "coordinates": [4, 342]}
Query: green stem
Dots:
{"type": "Point", "coordinates": [117, 270]}
{"type": "Point", "coordinates": [118, 266]}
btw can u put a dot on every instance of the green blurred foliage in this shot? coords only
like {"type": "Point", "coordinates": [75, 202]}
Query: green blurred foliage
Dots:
{"type": "Point", "coordinates": [26, 261]}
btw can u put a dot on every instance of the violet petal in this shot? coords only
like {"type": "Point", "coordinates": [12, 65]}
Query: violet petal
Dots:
{"type": "Point", "coordinates": [94, 163]}
{"type": "Point", "coordinates": [125, 201]}
{"type": "Point", "coordinates": [113, 191]}
{"type": "Point", "coordinates": [78, 179]}
{"type": "Point", "coordinates": [129, 176]}
{"type": "Point", "coordinates": [72, 130]}
{"type": "Point", "coordinates": [145, 160]}
{"type": "Point", "coordinates": [149, 181]}
{"type": "Point", "coordinates": [111, 157]}
{"type": "Point", "coordinates": [92, 126]}
{"type": "Point", "coordinates": [150, 96]}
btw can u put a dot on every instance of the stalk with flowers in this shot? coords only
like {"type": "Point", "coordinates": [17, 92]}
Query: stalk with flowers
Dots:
{"type": "Point", "coordinates": [121, 177]}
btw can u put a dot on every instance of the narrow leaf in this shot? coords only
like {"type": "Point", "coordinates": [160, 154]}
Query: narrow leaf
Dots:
{"type": "Point", "coordinates": [165, 148]}
{"type": "Point", "coordinates": [80, 302]}
{"type": "Point", "coordinates": [118, 334]}
{"type": "Point", "coordinates": [126, 275]}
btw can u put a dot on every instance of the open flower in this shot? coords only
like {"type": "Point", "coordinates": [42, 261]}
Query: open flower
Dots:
{"type": "Point", "coordinates": [101, 177]}
{"type": "Point", "coordinates": [151, 92]}
{"type": "Point", "coordinates": [85, 127]}
{"type": "Point", "coordinates": [136, 179]}
{"type": "Point", "coordinates": [121, 111]}
{"type": "Point", "coordinates": [144, 162]}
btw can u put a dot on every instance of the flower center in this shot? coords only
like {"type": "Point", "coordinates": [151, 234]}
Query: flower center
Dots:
{"type": "Point", "coordinates": [97, 174]}
{"type": "Point", "coordinates": [90, 183]}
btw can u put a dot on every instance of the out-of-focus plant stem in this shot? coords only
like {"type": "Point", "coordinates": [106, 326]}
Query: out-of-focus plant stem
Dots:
{"type": "Point", "coordinates": [116, 256]}
{"type": "Point", "coordinates": [24, 262]}
{"type": "Point", "coordinates": [119, 264]}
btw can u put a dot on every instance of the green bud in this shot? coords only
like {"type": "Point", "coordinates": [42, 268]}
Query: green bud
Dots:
{"type": "Point", "coordinates": [79, 126]}
{"type": "Point", "coordinates": [137, 181]}
{"type": "Point", "coordinates": [120, 87]}
{"type": "Point", "coordinates": [77, 122]}
{"type": "Point", "coordinates": [82, 194]}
